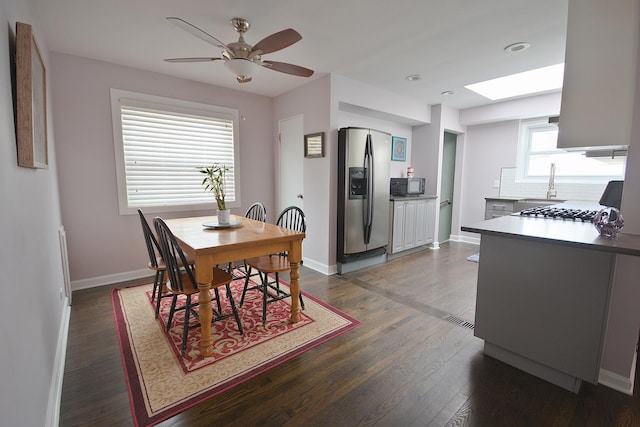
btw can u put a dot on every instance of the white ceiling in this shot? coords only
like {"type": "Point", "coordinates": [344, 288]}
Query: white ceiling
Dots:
{"type": "Point", "coordinates": [451, 43]}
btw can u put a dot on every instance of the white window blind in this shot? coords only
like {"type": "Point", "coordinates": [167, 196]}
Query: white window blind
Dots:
{"type": "Point", "coordinates": [162, 146]}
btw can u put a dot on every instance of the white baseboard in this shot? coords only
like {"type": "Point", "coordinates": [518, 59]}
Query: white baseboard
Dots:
{"type": "Point", "coordinates": [57, 377]}
{"type": "Point", "coordinates": [110, 279]}
{"type": "Point", "coordinates": [465, 239]}
{"type": "Point", "coordinates": [618, 382]}
{"type": "Point", "coordinates": [321, 268]}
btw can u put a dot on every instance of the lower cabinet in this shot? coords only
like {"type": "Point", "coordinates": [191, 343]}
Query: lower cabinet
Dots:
{"type": "Point", "coordinates": [412, 223]}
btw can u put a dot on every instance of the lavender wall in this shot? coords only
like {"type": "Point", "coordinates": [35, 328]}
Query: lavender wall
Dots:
{"type": "Point", "coordinates": [34, 327]}
{"type": "Point", "coordinates": [104, 246]}
{"type": "Point", "coordinates": [488, 148]}
{"type": "Point", "coordinates": [312, 101]}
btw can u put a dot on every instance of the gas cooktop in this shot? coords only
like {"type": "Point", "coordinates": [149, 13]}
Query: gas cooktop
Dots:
{"type": "Point", "coordinates": [584, 215]}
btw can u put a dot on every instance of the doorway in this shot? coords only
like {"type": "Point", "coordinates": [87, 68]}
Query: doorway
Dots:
{"type": "Point", "coordinates": [291, 186]}
{"type": "Point", "coordinates": [446, 186]}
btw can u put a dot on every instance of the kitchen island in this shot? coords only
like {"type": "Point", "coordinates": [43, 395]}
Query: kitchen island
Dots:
{"type": "Point", "coordinates": [544, 288]}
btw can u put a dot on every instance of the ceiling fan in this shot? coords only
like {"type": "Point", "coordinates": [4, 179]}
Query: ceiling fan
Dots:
{"type": "Point", "coordinates": [242, 59]}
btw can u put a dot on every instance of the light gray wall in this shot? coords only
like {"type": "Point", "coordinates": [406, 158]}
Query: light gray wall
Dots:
{"type": "Point", "coordinates": [104, 246]}
{"type": "Point", "coordinates": [33, 310]}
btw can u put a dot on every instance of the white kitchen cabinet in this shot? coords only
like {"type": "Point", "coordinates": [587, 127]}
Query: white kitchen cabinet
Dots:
{"type": "Point", "coordinates": [599, 74]}
{"type": "Point", "coordinates": [412, 223]}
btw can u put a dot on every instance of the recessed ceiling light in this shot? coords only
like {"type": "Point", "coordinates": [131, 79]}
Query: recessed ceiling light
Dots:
{"type": "Point", "coordinates": [517, 47]}
{"type": "Point", "coordinates": [413, 77]}
{"type": "Point", "coordinates": [447, 93]}
{"type": "Point", "coordinates": [533, 81]}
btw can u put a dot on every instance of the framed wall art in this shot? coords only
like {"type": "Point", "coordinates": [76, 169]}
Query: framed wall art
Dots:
{"type": "Point", "coordinates": [398, 148]}
{"type": "Point", "coordinates": [31, 102]}
{"type": "Point", "coordinates": [314, 145]}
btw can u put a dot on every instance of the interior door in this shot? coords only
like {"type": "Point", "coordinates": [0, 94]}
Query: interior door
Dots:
{"type": "Point", "coordinates": [291, 164]}
{"type": "Point", "coordinates": [446, 186]}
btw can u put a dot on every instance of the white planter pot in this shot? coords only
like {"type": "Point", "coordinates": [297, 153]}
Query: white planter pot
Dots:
{"type": "Point", "coordinates": [224, 216]}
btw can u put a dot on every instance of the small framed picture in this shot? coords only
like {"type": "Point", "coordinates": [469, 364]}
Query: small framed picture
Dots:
{"type": "Point", "coordinates": [398, 148]}
{"type": "Point", "coordinates": [314, 145]}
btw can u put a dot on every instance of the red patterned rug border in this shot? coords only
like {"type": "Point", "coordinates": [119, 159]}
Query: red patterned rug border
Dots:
{"type": "Point", "coordinates": [135, 390]}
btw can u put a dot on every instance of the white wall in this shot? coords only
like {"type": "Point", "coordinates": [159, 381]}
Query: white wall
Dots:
{"type": "Point", "coordinates": [104, 246]}
{"type": "Point", "coordinates": [35, 315]}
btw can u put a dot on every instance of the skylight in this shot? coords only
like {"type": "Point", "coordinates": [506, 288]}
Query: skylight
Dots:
{"type": "Point", "coordinates": [533, 81]}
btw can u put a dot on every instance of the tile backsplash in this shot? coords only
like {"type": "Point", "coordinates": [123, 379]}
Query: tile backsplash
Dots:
{"type": "Point", "coordinates": [565, 191]}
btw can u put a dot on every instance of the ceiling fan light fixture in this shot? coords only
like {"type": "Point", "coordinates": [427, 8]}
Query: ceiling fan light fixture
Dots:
{"type": "Point", "coordinates": [244, 69]}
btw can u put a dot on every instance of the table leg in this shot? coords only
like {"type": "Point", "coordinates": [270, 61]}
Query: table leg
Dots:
{"type": "Point", "coordinates": [205, 314]}
{"type": "Point", "coordinates": [204, 277]}
{"type": "Point", "coordinates": [294, 288]}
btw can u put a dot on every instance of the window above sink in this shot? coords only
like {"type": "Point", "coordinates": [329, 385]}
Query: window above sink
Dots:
{"type": "Point", "coordinates": [537, 150]}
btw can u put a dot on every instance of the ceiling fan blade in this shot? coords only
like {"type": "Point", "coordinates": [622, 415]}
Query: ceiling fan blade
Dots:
{"type": "Point", "coordinates": [203, 35]}
{"type": "Point", "coordinates": [276, 41]}
{"type": "Point", "coordinates": [283, 67]}
{"type": "Point", "coordinates": [192, 59]}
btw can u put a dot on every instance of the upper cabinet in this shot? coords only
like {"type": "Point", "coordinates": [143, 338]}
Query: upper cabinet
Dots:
{"type": "Point", "coordinates": [600, 74]}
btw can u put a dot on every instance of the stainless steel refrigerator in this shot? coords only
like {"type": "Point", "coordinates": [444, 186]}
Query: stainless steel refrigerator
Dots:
{"type": "Point", "coordinates": [363, 193]}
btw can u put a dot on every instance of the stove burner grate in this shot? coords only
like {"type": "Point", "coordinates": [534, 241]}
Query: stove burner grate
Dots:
{"type": "Point", "coordinates": [583, 215]}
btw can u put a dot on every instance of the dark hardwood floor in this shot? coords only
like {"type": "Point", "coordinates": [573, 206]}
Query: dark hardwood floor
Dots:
{"type": "Point", "coordinates": [414, 361]}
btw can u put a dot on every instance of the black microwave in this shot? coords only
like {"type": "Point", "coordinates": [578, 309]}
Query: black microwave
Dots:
{"type": "Point", "coordinates": [407, 186]}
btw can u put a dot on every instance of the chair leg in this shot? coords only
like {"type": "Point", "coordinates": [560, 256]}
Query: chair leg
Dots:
{"type": "Point", "coordinates": [246, 284]}
{"type": "Point", "coordinates": [265, 292]}
{"type": "Point", "coordinates": [217, 297]}
{"type": "Point", "coordinates": [185, 330]}
{"type": "Point", "coordinates": [174, 301]}
{"type": "Point", "coordinates": [157, 284]}
{"type": "Point", "coordinates": [159, 296]}
{"type": "Point", "coordinates": [233, 308]}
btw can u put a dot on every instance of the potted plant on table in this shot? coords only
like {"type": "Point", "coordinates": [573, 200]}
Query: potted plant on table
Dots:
{"type": "Point", "coordinates": [214, 181]}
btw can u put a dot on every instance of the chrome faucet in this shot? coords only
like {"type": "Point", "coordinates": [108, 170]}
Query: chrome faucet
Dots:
{"type": "Point", "coordinates": [551, 190]}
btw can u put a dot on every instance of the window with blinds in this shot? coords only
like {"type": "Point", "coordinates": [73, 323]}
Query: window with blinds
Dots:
{"type": "Point", "coordinates": [162, 143]}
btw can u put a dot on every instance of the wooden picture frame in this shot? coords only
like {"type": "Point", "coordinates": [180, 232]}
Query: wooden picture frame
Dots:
{"type": "Point", "coordinates": [31, 102]}
{"type": "Point", "coordinates": [314, 145]}
{"type": "Point", "coordinates": [398, 148]}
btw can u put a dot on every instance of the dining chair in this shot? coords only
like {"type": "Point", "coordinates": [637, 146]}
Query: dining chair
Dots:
{"type": "Point", "coordinates": [182, 281]}
{"type": "Point", "coordinates": [155, 264]}
{"type": "Point", "coordinates": [294, 219]}
{"type": "Point", "coordinates": [258, 212]}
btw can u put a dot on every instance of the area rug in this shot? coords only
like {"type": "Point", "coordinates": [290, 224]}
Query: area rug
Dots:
{"type": "Point", "coordinates": [162, 383]}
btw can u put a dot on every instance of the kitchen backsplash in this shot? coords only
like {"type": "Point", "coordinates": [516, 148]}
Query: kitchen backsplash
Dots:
{"type": "Point", "coordinates": [565, 191]}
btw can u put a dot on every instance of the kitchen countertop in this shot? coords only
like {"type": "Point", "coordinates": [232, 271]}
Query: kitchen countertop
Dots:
{"type": "Point", "coordinates": [422, 196]}
{"type": "Point", "coordinates": [557, 231]}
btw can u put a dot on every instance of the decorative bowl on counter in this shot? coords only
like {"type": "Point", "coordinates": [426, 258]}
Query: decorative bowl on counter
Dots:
{"type": "Point", "coordinates": [608, 222]}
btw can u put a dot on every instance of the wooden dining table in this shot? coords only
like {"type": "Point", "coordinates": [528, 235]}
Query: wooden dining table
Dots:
{"type": "Point", "coordinates": [250, 238]}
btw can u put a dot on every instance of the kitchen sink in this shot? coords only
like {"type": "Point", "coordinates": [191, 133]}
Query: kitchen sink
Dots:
{"type": "Point", "coordinates": [532, 203]}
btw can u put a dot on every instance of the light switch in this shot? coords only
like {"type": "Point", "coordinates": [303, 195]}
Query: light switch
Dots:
{"type": "Point", "coordinates": [496, 183]}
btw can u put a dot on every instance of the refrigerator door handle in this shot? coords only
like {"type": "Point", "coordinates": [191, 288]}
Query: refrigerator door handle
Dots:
{"type": "Point", "coordinates": [368, 205]}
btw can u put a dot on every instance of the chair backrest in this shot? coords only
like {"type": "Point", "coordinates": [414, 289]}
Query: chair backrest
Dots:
{"type": "Point", "coordinates": [257, 211]}
{"type": "Point", "coordinates": [174, 258]}
{"type": "Point", "coordinates": [153, 247]}
{"type": "Point", "coordinates": [292, 218]}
